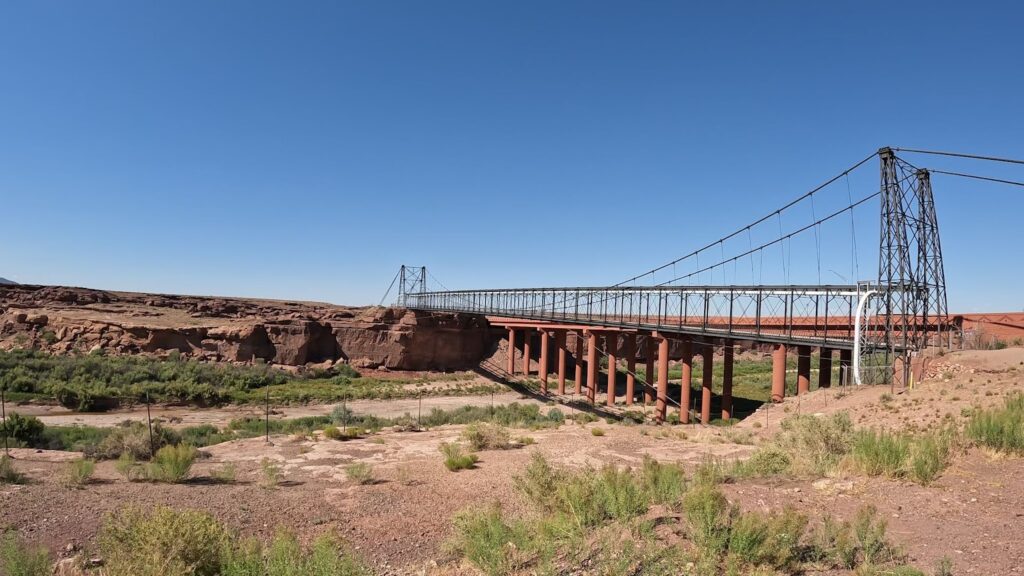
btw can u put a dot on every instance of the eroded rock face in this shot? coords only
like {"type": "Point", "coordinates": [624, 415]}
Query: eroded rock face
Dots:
{"type": "Point", "coordinates": [407, 340]}
{"type": "Point", "coordinates": [62, 320]}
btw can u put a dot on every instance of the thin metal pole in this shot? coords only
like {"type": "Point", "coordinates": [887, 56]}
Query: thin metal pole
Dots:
{"type": "Point", "coordinates": [149, 424]}
{"type": "Point", "coordinates": [266, 424]}
{"type": "Point", "coordinates": [419, 411]}
{"type": "Point", "coordinates": [3, 413]}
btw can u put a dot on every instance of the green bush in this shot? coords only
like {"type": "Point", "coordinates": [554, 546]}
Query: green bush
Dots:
{"type": "Point", "coordinates": [20, 559]}
{"type": "Point", "coordinates": [271, 472]}
{"type": "Point", "coordinates": [707, 516]}
{"type": "Point", "coordinates": [878, 453]}
{"type": "Point", "coordinates": [133, 437]}
{"type": "Point", "coordinates": [359, 472]}
{"type": "Point", "coordinates": [171, 464]}
{"type": "Point", "coordinates": [486, 436]}
{"type": "Point", "coordinates": [27, 430]}
{"type": "Point", "coordinates": [495, 546]}
{"type": "Point", "coordinates": [455, 459]}
{"type": "Point", "coordinates": [79, 472]}
{"type": "Point", "coordinates": [162, 542]}
{"type": "Point", "coordinates": [225, 474]}
{"type": "Point", "coordinates": [8, 475]}
{"type": "Point", "coordinates": [1000, 429]}
{"type": "Point", "coordinates": [128, 467]}
{"type": "Point", "coordinates": [664, 483]}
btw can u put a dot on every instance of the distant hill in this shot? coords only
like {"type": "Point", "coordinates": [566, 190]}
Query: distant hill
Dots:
{"type": "Point", "coordinates": [6, 281]}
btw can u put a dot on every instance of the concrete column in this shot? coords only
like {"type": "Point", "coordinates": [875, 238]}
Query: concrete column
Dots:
{"type": "Point", "coordinates": [708, 375]}
{"type": "Point", "coordinates": [824, 367]}
{"type": "Point", "coordinates": [579, 363]}
{"type": "Point", "coordinates": [649, 374]}
{"type": "Point", "coordinates": [845, 365]}
{"type": "Point", "coordinates": [611, 342]}
{"type": "Point", "coordinates": [544, 361]}
{"type": "Point", "coordinates": [662, 379]}
{"type": "Point", "coordinates": [526, 352]}
{"type": "Point", "coordinates": [727, 359]}
{"type": "Point", "coordinates": [592, 366]}
{"type": "Point", "coordinates": [803, 370]}
{"type": "Point", "coordinates": [686, 382]}
{"type": "Point", "coordinates": [560, 343]}
{"type": "Point", "coordinates": [630, 368]}
{"type": "Point", "coordinates": [511, 366]}
{"type": "Point", "coordinates": [779, 373]}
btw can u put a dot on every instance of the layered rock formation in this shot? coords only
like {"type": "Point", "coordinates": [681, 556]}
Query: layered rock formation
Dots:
{"type": "Point", "coordinates": [63, 320]}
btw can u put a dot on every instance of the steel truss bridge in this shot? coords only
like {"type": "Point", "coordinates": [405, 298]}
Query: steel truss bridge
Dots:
{"type": "Point", "coordinates": [888, 320]}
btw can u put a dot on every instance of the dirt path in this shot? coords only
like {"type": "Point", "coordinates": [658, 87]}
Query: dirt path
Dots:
{"type": "Point", "coordinates": [185, 416]}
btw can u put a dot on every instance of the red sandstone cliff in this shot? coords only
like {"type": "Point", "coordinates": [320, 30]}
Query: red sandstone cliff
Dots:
{"type": "Point", "coordinates": [62, 320]}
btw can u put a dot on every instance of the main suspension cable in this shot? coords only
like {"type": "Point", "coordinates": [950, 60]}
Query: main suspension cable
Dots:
{"type": "Point", "coordinates": [752, 224]}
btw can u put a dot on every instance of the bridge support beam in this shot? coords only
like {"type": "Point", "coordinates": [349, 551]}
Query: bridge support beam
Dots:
{"type": "Point", "coordinates": [845, 366]}
{"type": "Point", "coordinates": [779, 373]}
{"type": "Point", "coordinates": [662, 379]}
{"type": "Point", "coordinates": [824, 367]}
{"type": "Point", "coordinates": [803, 370]}
{"type": "Point", "coordinates": [649, 370]}
{"type": "Point", "coordinates": [611, 343]}
{"type": "Point", "coordinates": [591, 366]}
{"type": "Point", "coordinates": [630, 368]}
{"type": "Point", "coordinates": [707, 377]}
{"type": "Point", "coordinates": [686, 382]}
{"type": "Point", "coordinates": [727, 360]}
{"type": "Point", "coordinates": [544, 361]}
{"type": "Point", "coordinates": [579, 363]}
{"type": "Point", "coordinates": [560, 343]}
{"type": "Point", "coordinates": [510, 366]}
{"type": "Point", "coordinates": [526, 352]}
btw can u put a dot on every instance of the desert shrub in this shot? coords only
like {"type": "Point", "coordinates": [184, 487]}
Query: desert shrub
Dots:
{"type": "Point", "coordinates": [8, 474]}
{"type": "Point", "coordinates": [27, 430]}
{"type": "Point", "coordinates": [486, 436]}
{"type": "Point", "coordinates": [710, 471]}
{"type": "Point", "coordinates": [128, 467]}
{"type": "Point", "coordinates": [76, 438]}
{"type": "Point", "coordinates": [285, 557]}
{"type": "Point", "coordinates": [930, 454]}
{"type": "Point", "coordinates": [271, 473]}
{"type": "Point", "coordinates": [335, 433]}
{"type": "Point", "coordinates": [203, 435]}
{"type": "Point", "coordinates": [870, 531]}
{"type": "Point", "coordinates": [133, 437]}
{"type": "Point", "coordinates": [1000, 429]}
{"type": "Point", "coordinates": [227, 473]}
{"type": "Point", "coordinates": [555, 415]}
{"type": "Point", "coordinates": [768, 461]}
{"type": "Point", "coordinates": [878, 453]}
{"type": "Point", "coordinates": [79, 472]}
{"type": "Point", "coordinates": [495, 546]}
{"type": "Point", "coordinates": [454, 457]}
{"type": "Point", "coordinates": [707, 516]}
{"type": "Point", "coordinates": [597, 431]}
{"type": "Point", "coordinates": [20, 559]}
{"type": "Point", "coordinates": [664, 483]}
{"type": "Point", "coordinates": [359, 472]}
{"type": "Point", "coordinates": [171, 464]}
{"type": "Point", "coordinates": [161, 542]}
{"type": "Point", "coordinates": [540, 482]}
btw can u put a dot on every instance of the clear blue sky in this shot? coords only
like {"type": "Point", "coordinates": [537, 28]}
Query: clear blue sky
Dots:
{"type": "Point", "coordinates": [303, 150]}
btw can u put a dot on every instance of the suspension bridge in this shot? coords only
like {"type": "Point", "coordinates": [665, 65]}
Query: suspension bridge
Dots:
{"type": "Point", "coordinates": [695, 304]}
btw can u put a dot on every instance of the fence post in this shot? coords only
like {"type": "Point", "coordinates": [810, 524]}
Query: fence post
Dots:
{"type": "Point", "coordinates": [3, 414]}
{"type": "Point", "coordinates": [149, 424]}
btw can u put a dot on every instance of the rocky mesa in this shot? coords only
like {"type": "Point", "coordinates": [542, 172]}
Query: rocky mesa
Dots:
{"type": "Point", "coordinates": [62, 320]}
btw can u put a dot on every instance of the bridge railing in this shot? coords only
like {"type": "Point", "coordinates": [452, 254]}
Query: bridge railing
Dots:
{"type": "Point", "coordinates": [815, 315]}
